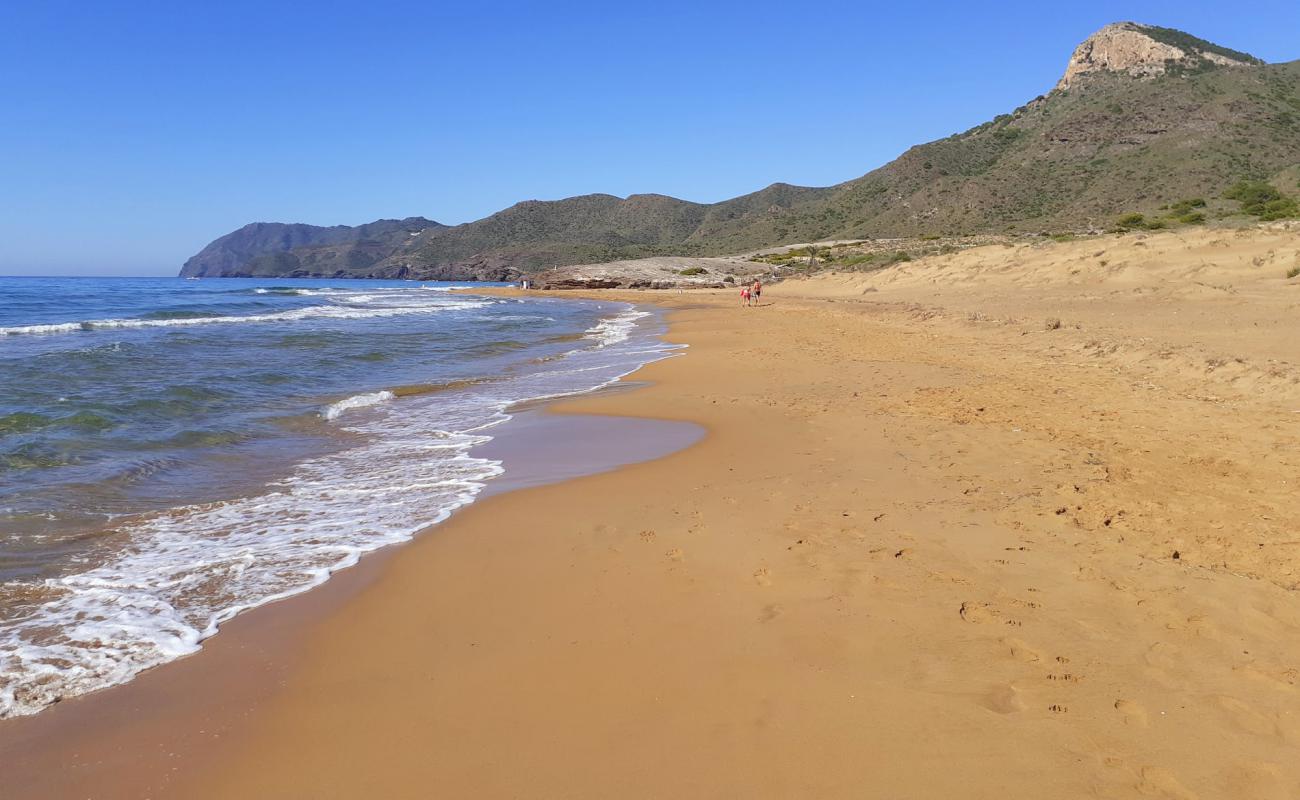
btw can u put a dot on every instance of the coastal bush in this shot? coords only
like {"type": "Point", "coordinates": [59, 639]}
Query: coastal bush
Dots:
{"type": "Point", "coordinates": [858, 260]}
{"type": "Point", "coordinates": [1131, 222]}
{"type": "Point", "coordinates": [1263, 200]}
{"type": "Point", "coordinates": [692, 271]}
{"type": "Point", "coordinates": [897, 257]}
{"type": "Point", "coordinates": [1184, 207]}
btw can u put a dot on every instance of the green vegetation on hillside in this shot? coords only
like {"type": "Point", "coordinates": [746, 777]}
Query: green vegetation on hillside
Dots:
{"type": "Point", "coordinates": [1263, 200]}
{"type": "Point", "coordinates": [1192, 44]}
{"type": "Point", "coordinates": [1183, 212]}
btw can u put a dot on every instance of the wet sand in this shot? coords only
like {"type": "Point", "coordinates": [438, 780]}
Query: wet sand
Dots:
{"type": "Point", "coordinates": [1017, 522]}
{"type": "Point", "coordinates": [148, 737]}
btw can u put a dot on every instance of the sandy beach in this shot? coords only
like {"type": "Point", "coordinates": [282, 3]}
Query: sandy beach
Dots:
{"type": "Point", "coordinates": [1015, 522]}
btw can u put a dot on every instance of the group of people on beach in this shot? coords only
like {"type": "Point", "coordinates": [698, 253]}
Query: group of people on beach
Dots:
{"type": "Point", "coordinates": [749, 294]}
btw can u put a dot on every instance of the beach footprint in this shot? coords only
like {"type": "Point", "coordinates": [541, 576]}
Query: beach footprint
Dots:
{"type": "Point", "coordinates": [983, 613]}
{"type": "Point", "coordinates": [1132, 713]}
{"type": "Point", "coordinates": [978, 613]}
{"type": "Point", "coordinates": [770, 612]}
{"type": "Point", "coordinates": [1160, 782]}
{"type": "Point", "coordinates": [1022, 651]}
{"type": "Point", "coordinates": [1002, 699]}
{"type": "Point", "coordinates": [1267, 723]}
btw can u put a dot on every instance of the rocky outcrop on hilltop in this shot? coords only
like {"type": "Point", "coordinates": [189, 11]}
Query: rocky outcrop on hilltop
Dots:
{"type": "Point", "coordinates": [1146, 51]}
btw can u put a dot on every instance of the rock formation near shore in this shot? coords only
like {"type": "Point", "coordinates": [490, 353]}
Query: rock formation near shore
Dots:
{"type": "Point", "coordinates": [1143, 117]}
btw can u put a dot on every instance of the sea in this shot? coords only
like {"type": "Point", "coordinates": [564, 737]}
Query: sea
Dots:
{"type": "Point", "coordinates": [174, 452]}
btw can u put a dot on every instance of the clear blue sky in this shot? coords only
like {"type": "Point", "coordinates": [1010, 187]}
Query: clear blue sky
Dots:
{"type": "Point", "coordinates": [132, 133]}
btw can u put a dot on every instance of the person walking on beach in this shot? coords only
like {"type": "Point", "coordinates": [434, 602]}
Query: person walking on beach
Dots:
{"type": "Point", "coordinates": [756, 291]}
{"type": "Point", "coordinates": [744, 295]}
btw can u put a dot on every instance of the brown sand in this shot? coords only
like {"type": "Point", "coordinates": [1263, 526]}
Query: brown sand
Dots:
{"type": "Point", "coordinates": [934, 546]}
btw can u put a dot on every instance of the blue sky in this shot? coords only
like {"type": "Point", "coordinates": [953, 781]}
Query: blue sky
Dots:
{"type": "Point", "coordinates": [132, 133]}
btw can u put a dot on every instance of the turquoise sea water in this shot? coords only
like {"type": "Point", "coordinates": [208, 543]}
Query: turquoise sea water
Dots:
{"type": "Point", "coordinates": [173, 452]}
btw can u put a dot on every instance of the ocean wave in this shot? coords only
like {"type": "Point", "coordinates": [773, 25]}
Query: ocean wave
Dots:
{"type": "Point", "coordinates": [333, 410]}
{"type": "Point", "coordinates": [177, 314]}
{"type": "Point", "coordinates": [184, 572]}
{"type": "Point", "coordinates": [617, 328]}
{"type": "Point", "coordinates": [34, 456]}
{"type": "Point", "coordinates": [26, 421]}
{"type": "Point", "coordinates": [292, 315]}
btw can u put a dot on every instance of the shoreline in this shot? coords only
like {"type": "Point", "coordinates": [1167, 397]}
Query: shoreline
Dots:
{"type": "Point", "coordinates": [70, 748]}
{"type": "Point", "coordinates": [295, 539]}
{"type": "Point", "coordinates": [916, 540]}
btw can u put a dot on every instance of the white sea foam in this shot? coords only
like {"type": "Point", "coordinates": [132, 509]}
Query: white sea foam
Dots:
{"type": "Point", "coordinates": [292, 315]}
{"type": "Point", "coordinates": [356, 401]}
{"type": "Point", "coordinates": [188, 570]}
{"type": "Point", "coordinates": [615, 329]}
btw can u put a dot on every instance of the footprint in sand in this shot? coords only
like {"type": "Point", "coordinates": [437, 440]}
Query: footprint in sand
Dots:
{"type": "Point", "coordinates": [1022, 651]}
{"type": "Point", "coordinates": [1161, 655]}
{"type": "Point", "coordinates": [1160, 782]}
{"type": "Point", "coordinates": [1258, 779]}
{"type": "Point", "coordinates": [1002, 699]}
{"type": "Point", "coordinates": [675, 554]}
{"type": "Point", "coordinates": [949, 577]}
{"type": "Point", "coordinates": [647, 536]}
{"type": "Point", "coordinates": [770, 612]}
{"type": "Point", "coordinates": [1133, 713]}
{"type": "Point", "coordinates": [1281, 678]}
{"type": "Point", "coordinates": [1254, 721]}
{"type": "Point", "coordinates": [762, 577]}
{"type": "Point", "coordinates": [978, 613]}
{"type": "Point", "coordinates": [1163, 665]}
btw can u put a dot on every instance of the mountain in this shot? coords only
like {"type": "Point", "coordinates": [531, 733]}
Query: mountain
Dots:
{"type": "Point", "coordinates": [276, 248]}
{"type": "Point", "coordinates": [1143, 116]}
